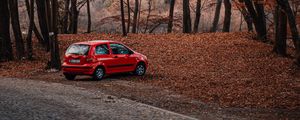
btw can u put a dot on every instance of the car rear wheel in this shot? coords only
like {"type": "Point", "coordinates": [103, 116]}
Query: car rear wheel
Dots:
{"type": "Point", "coordinates": [69, 76]}
{"type": "Point", "coordinates": [99, 73]}
{"type": "Point", "coordinates": [140, 70]}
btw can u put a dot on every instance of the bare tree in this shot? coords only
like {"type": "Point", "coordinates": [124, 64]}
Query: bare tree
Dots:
{"type": "Point", "coordinates": [128, 15]}
{"type": "Point", "coordinates": [259, 6]}
{"type": "Point", "coordinates": [55, 57]}
{"type": "Point", "coordinates": [245, 14]}
{"type": "Point", "coordinates": [30, 29]}
{"type": "Point", "coordinates": [74, 17]}
{"type": "Point", "coordinates": [35, 29]}
{"type": "Point", "coordinates": [48, 13]}
{"type": "Point", "coordinates": [227, 19]}
{"type": "Point", "coordinates": [198, 15]}
{"type": "Point", "coordinates": [139, 16]}
{"type": "Point", "coordinates": [186, 17]}
{"type": "Point", "coordinates": [6, 52]}
{"type": "Point", "coordinates": [284, 4]}
{"type": "Point", "coordinates": [41, 10]}
{"type": "Point", "coordinates": [66, 16]}
{"type": "Point", "coordinates": [171, 15]}
{"type": "Point", "coordinates": [89, 16]}
{"type": "Point", "coordinates": [149, 13]}
{"type": "Point", "coordinates": [135, 16]}
{"type": "Point", "coordinates": [217, 16]}
{"type": "Point", "coordinates": [14, 14]}
{"type": "Point", "coordinates": [281, 32]}
{"type": "Point", "coordinates": [123, 18]}
{"type": "Point", "coordinates": [258, 16]}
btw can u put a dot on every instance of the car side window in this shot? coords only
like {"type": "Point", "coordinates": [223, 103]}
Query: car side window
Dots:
{"type": "Point", "coordinates": [101, 50]}
{"type": "Point", "coordinates": [119, 49]}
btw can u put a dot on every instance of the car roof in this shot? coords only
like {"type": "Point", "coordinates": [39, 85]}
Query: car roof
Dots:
{"type": "Point", "coordinates": [96, 42]}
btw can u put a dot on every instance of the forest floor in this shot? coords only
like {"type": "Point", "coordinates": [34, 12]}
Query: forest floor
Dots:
{"type": "Point", "coordinates": [226, 69]}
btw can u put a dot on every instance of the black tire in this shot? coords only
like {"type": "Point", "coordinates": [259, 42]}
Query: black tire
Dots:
{"type": "Point", "coordinates": [69, 76]}
{"type": "Point", "coordinates": [99, 73]}
{"type": "Point", "coordinates": [140, 69]}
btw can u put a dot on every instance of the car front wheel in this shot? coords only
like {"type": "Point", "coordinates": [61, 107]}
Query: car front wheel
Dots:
{"type": "Point", "coordinates": [140, 70]}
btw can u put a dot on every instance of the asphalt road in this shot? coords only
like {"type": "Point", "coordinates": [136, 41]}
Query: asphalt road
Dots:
{"type": "Point", "coordinates": [39, 100]}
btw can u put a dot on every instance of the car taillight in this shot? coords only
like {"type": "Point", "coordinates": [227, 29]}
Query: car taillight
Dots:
{"type": "Point", "coordinates": [65, 59]}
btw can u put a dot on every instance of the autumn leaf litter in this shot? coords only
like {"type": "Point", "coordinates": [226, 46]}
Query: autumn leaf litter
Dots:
{"type": "Point", "coordinates": [230, 69]}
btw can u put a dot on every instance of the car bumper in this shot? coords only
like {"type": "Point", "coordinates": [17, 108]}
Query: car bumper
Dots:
{"type": "Point", "coordinates": [78, 70]}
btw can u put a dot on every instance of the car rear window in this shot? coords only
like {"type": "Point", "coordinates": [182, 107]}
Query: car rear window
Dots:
{"type": "Point", "coordinates": [78, 49]}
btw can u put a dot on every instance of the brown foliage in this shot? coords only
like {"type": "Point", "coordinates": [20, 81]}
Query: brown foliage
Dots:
{"type": "Point", "coordinates": [230, 69]}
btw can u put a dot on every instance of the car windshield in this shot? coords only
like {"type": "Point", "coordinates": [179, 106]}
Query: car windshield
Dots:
{"type": "Point", "coordinates": [78, 49]}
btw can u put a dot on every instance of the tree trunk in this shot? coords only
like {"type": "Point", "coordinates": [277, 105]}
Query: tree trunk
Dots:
{"type": "Point", "coordinates": [148, 16]}
{"type": "Point", "coordinates": [247, 18]}
{"type": "Point", "coordinates": [252, 13]}
{"type": "Point", "coordinates": [129, 19]}
{"type": "Point", "coordinates": [171, 15]}
{"type": "Point", "coordinates": [36, 31]}
{"type": "Point", "coordinates": [41, 9]}
{"type": "Point", "coordinates": [258, 20]}
{"type": "Point", "coordinates": [249, 23]}
{"type": "Point", "coordinates": [139, 16]}
{"type": "Point", "coordinates": [135, 15]}
{"type": "Point", "coordinates": [186, 17]}
{"type": "Point", "coordinates": [14, 14]}
{"type": "Point", "coordinates": [6, 52]}
{"type": "Point", "coordinates": [123, 18]}
{"type": "Point", "coordinates": [49, 13]}
{"type": "Point", "coordinates": [284, 4]}
{"type": "Point", "coordinates": [227, 19]}
{"type": "Point", "coordinates": [281, 32]}
{"type": "Point", "coordinates": [198, 15]}
{"type": "Point", "coordinates": [66, 16]}
{"type": "Point", "coordinates": [29, 36]}
{"type": "Point", "coordinates": [217, 16]}
{"type": "Point", "coordinates": [74, 17]}
{"type": "Point", "coordinates": [241, 23]}
{"type": "Point", "coordinates": [38, 34]}
{"type": "Point", "coordinates": [55, 58]}
{"type": "Point", "coordinates": [261, 19]}
{"type": "Point", "coordinates": [89, 16]}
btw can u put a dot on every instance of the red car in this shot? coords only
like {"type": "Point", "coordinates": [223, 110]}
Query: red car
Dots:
{"type": "Point", "coordinates": [100, 57]}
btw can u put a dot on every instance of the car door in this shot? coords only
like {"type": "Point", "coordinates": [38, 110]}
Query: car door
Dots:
{"type": "Point", "coordinates": [102, 54]}
{"type": "Point", "coordinates": [122, 61]}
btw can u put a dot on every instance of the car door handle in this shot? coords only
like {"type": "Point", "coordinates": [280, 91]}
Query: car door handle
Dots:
{"type": "Point", "coordinates": [115, 56]}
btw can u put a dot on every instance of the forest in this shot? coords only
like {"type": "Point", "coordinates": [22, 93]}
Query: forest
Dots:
{"type": "Point", "coordinates": [236, 53]}
{"type": "Point", "coordinates": [272, 21]}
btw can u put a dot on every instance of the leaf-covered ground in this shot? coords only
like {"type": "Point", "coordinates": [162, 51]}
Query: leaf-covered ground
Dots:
{"type": "Point", "coordinates": [230, 69]}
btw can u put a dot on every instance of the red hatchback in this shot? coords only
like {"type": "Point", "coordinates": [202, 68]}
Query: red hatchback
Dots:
{"type": "Point", "coordinates": [100, 57]}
